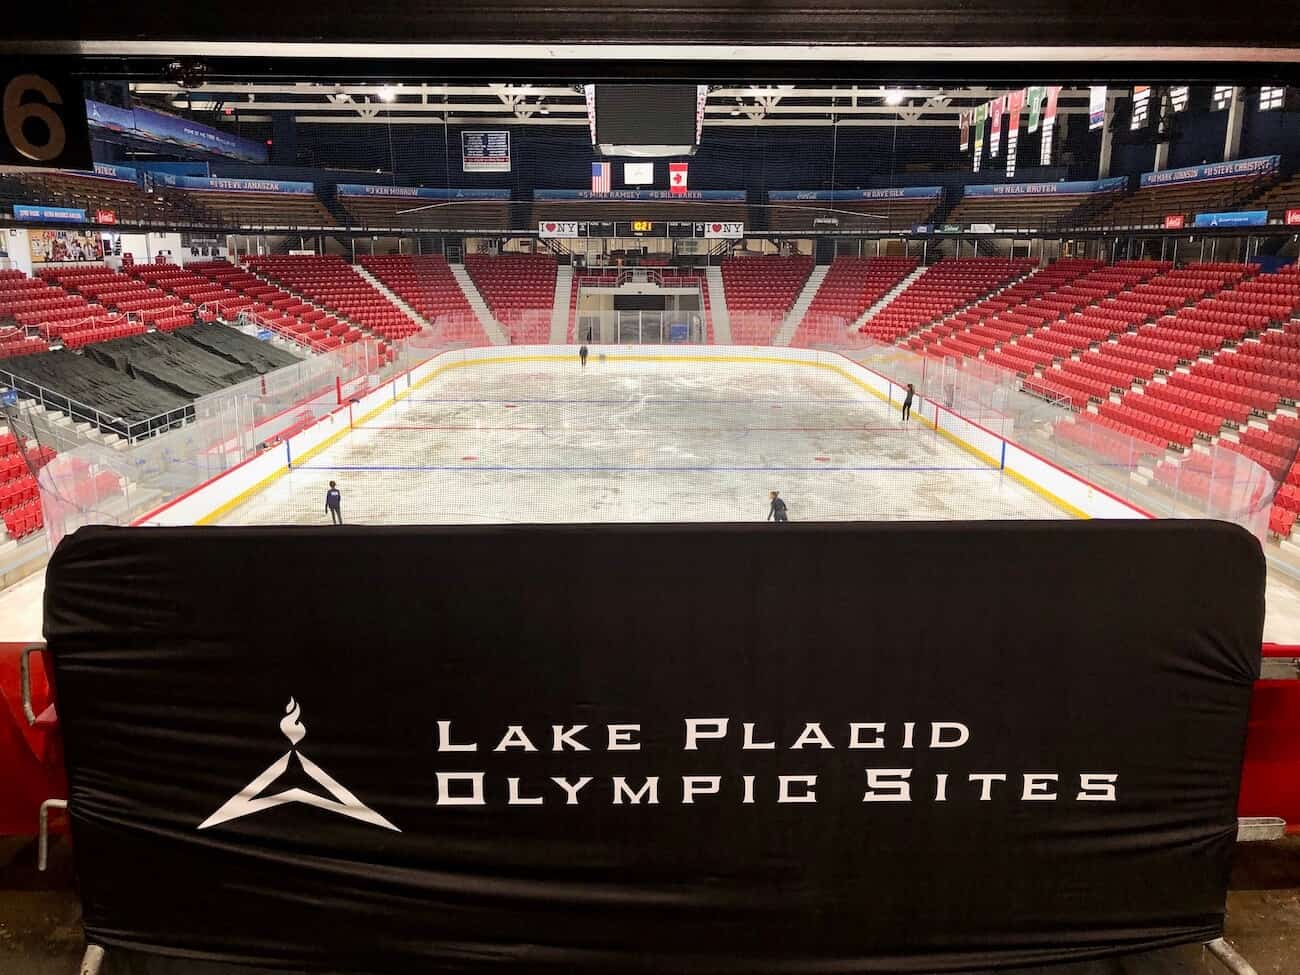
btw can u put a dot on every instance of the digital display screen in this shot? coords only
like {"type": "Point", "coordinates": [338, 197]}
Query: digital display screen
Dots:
{"type": "Point", "coordinates": [681, 229]}
{"type": "Point", "coordinates": [646, 115]}
{"type": "Point", "coordinates": [600, 229]}
{"type": "Point", "coordinates": [640, 228]}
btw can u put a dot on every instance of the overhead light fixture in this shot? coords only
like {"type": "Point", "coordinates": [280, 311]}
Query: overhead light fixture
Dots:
{"type": "Point", "coordinates": [387, 93]}
{"type": "Point", "coordinates": [893, 97]}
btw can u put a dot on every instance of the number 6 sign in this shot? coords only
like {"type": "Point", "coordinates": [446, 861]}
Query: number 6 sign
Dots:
{"type": "Point", "coordinates": [43, 116]}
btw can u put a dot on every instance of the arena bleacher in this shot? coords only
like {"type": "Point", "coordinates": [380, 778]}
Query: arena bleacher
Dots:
{"type": "Point", "coordinates": [520, 291]}
{"type": "Point", "coordinates": [427, 284]}
{"type": "Point", "coordinates": [1148, 206]}
{"type": "Point", "coordinates": [869, 210]}
{"type": "Point", "coordinates": [254, 210]}
{"type": "Point", "coordinates": [1034, 206]}
{"type": "Point", "coordinates": [368, 209]}
{"type": "Point", "coordinates": [945, 287]}
{"type": "Point", "coordinates": [111, 192]}
{"type": "Point", "coordinates": [851, 286]}
{"type": "Point", "coordinates": [333, 284]}
{"type": "Point", "coordinates": [1279, 198]}
{"type": "Point", "coordinates": [760, 292]}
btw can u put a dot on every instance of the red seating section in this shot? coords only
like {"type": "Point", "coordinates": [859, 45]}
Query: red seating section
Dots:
{"type": "Point", "coordinates": [121, 293]}
{"type": "Point", "coordinates": [519, 290]}
{"type": "Point", "coordinates": [851, 286]}
{"type": "Point", "coordinates": [760, 292]}
{"type": "Point", "coordinates": [945, 287]}
{"type": "Point", "coordinates": [427, 285]}
{"type": "Point", "coordinates": [334, 285]}
{"type": "Point", "coordinates": [20, 505]}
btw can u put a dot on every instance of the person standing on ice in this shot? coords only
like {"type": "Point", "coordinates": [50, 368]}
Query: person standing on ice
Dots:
{"type": "Point", "coordinates": [582, 355]}
{"type": "Point", "coordinates": [334, 504]}
{"type": "Point", "coordinates": [777, 511]}
{"type": "Point", "coordinates": [907, 402]}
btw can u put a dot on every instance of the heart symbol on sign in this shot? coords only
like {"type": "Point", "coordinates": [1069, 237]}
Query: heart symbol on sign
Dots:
{"type": "Point", "coordinates": [550, 227]}
{"type": "Point", "coordinates": [717, 227]}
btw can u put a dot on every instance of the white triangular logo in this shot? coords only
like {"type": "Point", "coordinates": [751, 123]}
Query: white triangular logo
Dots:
{"type": "Point", "coordinates": [251, 798]}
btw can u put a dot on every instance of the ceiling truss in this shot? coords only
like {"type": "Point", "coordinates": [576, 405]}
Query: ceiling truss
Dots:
{"type": "Point", "coordinates": [511, 104]}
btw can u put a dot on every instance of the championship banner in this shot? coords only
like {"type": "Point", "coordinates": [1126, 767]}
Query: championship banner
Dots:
{"type": "Point", "coordinates": [964, 120]}
{"type": "Point", "coordinates": [1035, 94]}
{"type": "Point", "coordinates": [699, 759]}
{"type": "Point", "coordinates": [1096, 106]}
{"type": "Point", "coordinates": [1141, 107]}
{"type": "Point", "coordinates": [485, 151]}
{"type": "Point", "coordinates": [995, 124]}
{"type": "Point", "coordinates": [564, 229]}
{"type": "Point", "coordinates": [1049, 125]}
{"type": "Point", "coordinates": [1015, 104]}
{"type": "Point", "coordinates": [981, 112]}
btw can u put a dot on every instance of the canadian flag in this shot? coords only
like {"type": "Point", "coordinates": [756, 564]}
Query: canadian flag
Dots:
{"type": "Point", "coordinates": [677, 179]}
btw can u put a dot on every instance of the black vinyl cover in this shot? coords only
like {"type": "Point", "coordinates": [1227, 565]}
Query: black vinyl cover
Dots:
{"type": "Point", "coordinates": [170, 364]}
{"type": "Point", "coordinates": [917, 747]}
{"type": "Point", "coordinates": [78, 379]}
{"type": "Point", "coordinates": [234, 346]}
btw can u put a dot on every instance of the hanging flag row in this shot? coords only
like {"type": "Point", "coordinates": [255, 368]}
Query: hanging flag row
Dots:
{"type": "Point", "coordinates": [1004, 111]}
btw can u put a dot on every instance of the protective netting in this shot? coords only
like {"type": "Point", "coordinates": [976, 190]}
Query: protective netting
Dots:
{"type": "Point", "coordinates": [91, 483]}
{"type": "Point", "coordinates": [646, 433]}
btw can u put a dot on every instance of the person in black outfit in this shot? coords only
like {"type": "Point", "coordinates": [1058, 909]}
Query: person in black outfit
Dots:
{"type": "Point", "coordinates": [334, 504]}
{"type": "Point", "coordinates": [777, 511]}
{"type": "Point", "coordinates": [907, 401]}
{"type": "Point", "coordinates": [582, 355]}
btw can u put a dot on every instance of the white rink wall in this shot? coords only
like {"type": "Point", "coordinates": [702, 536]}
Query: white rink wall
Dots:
{"type": "Point", "coordinates": [209, 501]}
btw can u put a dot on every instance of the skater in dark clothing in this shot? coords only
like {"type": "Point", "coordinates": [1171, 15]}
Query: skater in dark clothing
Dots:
{"type": "Point", "coordinates": [777, 511]}
{"type": "Point", "coordinates": [582, 355]}
{"type": "Point", "coordinates": [334, 504]}
{"type": "Point", "coordinates": [907, 402]}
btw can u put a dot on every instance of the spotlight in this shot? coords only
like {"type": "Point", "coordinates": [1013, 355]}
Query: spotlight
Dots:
{"type": "Point", "coordinates": [893, 97]}
{"type": "Point", "coordinates": [387, 93]}
{"type": "Point", "coordinates": [187, 74]}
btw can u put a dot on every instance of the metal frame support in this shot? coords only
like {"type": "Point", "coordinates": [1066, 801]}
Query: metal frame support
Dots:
{"type": "Point", "coordinates": [43, 838]}
{"type": "Point", "coordinates": [1229, 957]}
{"type": "Point", "coordinates": [92, 960]}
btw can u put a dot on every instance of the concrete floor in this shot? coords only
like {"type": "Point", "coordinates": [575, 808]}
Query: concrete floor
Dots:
{"type": "Point", "coordinates": [523, 443]}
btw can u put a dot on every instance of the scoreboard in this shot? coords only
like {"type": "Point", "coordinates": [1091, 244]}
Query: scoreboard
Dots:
{"type": "Point", "coordinates": [651, 228]}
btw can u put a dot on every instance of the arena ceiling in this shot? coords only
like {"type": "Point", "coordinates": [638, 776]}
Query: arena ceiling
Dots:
{"type": "Point", "coordinates": [522, 104]}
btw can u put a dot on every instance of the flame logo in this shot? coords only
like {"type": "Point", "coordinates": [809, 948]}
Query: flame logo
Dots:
{"type": "Point", "coordinates": [293, 729]}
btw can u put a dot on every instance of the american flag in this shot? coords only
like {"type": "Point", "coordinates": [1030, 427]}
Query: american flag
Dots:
{"type": "Point", "coordinates": [600, 177]}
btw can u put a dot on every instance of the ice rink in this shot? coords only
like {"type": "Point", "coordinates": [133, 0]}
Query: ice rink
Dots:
{"type": "Point", "coordinates": [640, 441]}
{"type": "Point", "coordinates": [544, 441]}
